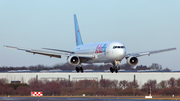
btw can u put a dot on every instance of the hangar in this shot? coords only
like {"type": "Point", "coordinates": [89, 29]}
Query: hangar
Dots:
{"type": "Point", "coordinates": [141, 76]}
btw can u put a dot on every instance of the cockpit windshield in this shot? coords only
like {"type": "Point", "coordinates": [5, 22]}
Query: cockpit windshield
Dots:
{"type": "Point", "coordinates": [114, 47]}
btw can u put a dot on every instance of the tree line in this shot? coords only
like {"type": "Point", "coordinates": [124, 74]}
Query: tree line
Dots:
{"type": "Point", "coordinates": [103, 87]}
{"type": "Point", "coordinates": [67, 66]}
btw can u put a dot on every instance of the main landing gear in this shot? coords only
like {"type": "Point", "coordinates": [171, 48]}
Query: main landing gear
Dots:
{"type": "Point", "coordinates": [79, 69]}
{"type": "Point", "coordinates": [115, 67]}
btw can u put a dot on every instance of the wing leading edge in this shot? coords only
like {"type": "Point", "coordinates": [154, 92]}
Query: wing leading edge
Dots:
{"type": "Point", "coordinates": [47, 53]}
{"type": "Point", "coordinates": [138, 54]}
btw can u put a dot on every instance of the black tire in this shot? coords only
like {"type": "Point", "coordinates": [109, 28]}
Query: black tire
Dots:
{"type": "Point", "coordinates": [81, 69]}
{"type": "Point", "coordinates": [111, 69]}
{"type": "Point", "coordinates": [116, 70]}
{"type": "Point", "coordinates": [77, 69]}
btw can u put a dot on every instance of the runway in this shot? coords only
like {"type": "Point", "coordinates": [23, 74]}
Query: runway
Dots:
{"type": "Point", "coordinates": [70, 98]}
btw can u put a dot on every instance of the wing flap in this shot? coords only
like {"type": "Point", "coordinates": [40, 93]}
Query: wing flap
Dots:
{"type": "Point", "coordinates": [84, 56]}
{"type": "Point", "coordinates": [138, 54]}
{"type": "Point", "coordinates": [51, 54]}
{"type": "Point", "coordinates": [58, 50]}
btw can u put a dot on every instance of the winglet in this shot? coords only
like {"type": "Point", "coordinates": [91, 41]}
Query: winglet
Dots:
{"type": "Point", "coordinates": [77, 32]}
{"type": "Point", "coordinates": [10, 46]}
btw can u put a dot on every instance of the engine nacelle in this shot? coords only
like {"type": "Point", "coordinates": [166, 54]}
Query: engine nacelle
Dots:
{"type": "Point", "coordinates": [74, 60]}
{"type": "Point", "coordinates": [132, 61]}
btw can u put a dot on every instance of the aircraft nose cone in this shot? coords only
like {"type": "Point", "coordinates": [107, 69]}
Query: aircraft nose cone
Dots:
{"type": "Point", "coordinates": [122, 53]}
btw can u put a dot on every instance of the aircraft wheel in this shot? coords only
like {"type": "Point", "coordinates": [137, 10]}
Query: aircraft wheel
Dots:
{"type": "Point", "coordinates": [77, 69]}
{"type": "Point", "coordinates": [116, 70]}
{"type": "Point", "coordinates": [81, 69]}
{"type": "Point", "coordinates": [111, 69]}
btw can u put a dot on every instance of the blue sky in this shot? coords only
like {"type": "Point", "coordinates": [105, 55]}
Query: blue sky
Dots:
{"type": "Point", "coordinates": [141, 25]}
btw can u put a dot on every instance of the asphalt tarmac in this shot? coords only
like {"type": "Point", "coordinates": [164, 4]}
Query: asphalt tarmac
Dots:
{"type": "Point", "coordinates": [122, 98]}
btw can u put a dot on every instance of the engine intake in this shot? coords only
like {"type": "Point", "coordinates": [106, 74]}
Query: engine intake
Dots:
{"type": "Point", "coordinates": [74, 60]}
{"type": "Point", "coordinates": [132, 61]}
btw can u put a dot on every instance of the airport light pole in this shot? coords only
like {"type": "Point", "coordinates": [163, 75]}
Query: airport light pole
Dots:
{"type": "Point", "coordinates": [134, 90]}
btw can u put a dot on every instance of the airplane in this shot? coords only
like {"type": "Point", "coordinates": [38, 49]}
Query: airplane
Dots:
{"type": "Point", "coordinates": [102, 52]}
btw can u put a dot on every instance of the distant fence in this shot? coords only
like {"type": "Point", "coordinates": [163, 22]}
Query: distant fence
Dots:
{"type": "Point", "coordinates": [85, 78]}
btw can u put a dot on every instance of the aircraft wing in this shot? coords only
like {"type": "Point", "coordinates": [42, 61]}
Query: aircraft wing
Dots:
{"type": "Point", "coordinates": [47, 53]}
{"type": "Point", "coordinates": [52, 54]}
{"type": "Point", "coordinates": [138, 54]}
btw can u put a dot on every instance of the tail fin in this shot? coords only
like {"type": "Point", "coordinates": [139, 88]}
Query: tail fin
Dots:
{"type": "Point", "coordinates": [77, 32]}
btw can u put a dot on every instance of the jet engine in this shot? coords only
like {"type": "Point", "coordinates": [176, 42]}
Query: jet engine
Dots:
{"type": "Point", "coordinates": [132, 61]}
{"type": "Point", "coordinates": [74, 60]}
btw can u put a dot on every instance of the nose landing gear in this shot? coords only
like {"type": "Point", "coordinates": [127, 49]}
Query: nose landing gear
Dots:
{"type": "Point", "coordinates": [115, 67]}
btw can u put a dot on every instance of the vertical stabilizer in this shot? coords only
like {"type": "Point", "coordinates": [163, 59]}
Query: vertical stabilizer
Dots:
{"type": "Point", "coordinates": [77, 32]}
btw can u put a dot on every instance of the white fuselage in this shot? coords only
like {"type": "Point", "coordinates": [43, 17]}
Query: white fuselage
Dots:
{"type": "Point", "coordinates": [103, 51]}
